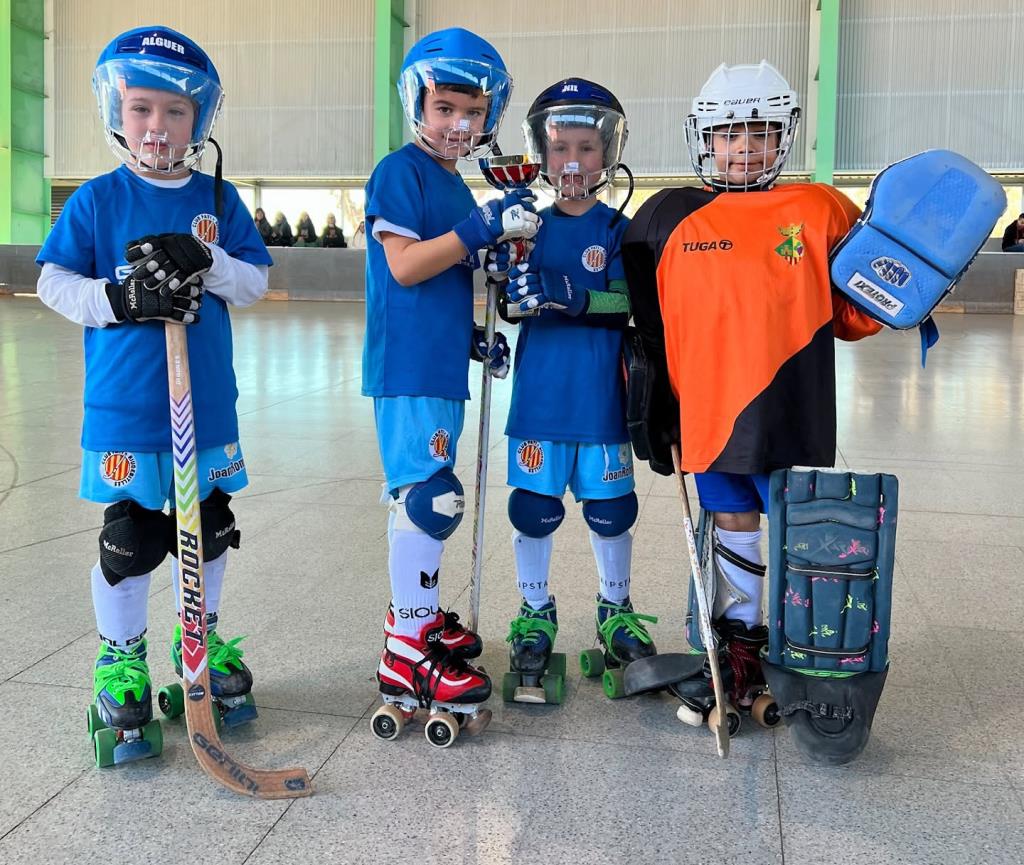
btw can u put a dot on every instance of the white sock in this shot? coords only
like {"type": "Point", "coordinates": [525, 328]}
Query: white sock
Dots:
{"type": "Point", "coordinates": [413, 563]}
{"type": "Point", "coordinates": [533, 559]}
{"type": "Point", "coordinates": [613, 556]}
{"type": "Point", "coordinates": [121, 610]}
{"type": "Point", "coordinates": [213, 583]}
{"type": "Point", "coordinates": [734, 581]}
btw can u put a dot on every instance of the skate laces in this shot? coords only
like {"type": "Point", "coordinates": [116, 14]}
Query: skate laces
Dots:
{"type": "Point", "coordinates": [221, 655]}
{"type": "Point", "coordinates": [626, 619]}
{"type": "Point", "coordinates": [530, 629]}
{"type": "Point", "coordinates": [128, 673]}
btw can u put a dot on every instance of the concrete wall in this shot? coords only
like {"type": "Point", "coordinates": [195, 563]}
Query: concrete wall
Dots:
{"type": "Point", "coordinates": [338, 274]}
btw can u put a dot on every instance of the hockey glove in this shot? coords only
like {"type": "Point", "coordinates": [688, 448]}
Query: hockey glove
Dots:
{"type": "Point", "coordinates": [501, 219]}
{"type": "Point", "coordinates": [497, 355]}
{"type": "Point", "coordinates": [531, 289]}
{"type": "Point", "coordinates": [500, 259]}
{"type": "Point", "coordinates": [132, 301]}
{"type": "Point", "coordinates": [166, 261]}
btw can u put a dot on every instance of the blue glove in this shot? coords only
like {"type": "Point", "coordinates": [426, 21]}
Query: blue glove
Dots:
{"type": "Point", "coordinates": [497, 354]}
{"type": "Point", "coordinates": [499, 259]}
{"type": "Point", "coordinates": [532, 289]}
{"type": "Point", "coordinates": [510, 217]}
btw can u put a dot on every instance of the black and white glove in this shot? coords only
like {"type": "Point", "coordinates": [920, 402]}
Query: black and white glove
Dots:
{"type": "Point", "coordinates": [132, 301]}
{"type": "Point", "coordinates": [168, 260]}
{"type": "Point", "coordinates": [496, 354]}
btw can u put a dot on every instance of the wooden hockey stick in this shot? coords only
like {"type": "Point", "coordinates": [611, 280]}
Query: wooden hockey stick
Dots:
{"type": "Point", "coordinates": [718, 719]}
{"type": "Point", "coordinates": [195, 672]}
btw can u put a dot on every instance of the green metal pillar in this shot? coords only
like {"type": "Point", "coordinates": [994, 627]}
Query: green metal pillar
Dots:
{"type": "Point", "coordinates": [24, 189]}
{"type": "Point", "coordinates": [388, 50]}
{"type": "Point", "coordinates": [827, 79]}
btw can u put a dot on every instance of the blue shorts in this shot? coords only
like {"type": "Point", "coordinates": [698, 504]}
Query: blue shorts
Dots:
{"type": "Point", "coordinates": [725, 493]}
{"type": "Point", "coordinates": [148, 478]}
{"type": "Point", "coordinates": [417, 436]}
{"type": "Point", "coordinates": [591, 471]}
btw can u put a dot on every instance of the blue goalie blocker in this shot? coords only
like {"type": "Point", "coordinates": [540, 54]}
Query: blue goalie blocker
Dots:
{"type": "Point", "coordinates": [832, 540]}
{"type": "Point", "coordinates": [926, 219]}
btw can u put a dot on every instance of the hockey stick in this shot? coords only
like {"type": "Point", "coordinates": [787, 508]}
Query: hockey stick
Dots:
{"type": "Point", "coordinates": [718, 719]}
{"type": "Point", "coordinates": [195, 673]}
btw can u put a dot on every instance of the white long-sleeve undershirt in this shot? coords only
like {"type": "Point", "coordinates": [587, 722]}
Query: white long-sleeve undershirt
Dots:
{"type": "Point", "coordinates": [84, 300]}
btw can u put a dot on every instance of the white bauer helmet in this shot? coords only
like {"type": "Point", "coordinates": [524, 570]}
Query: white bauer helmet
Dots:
{"type": "Point", "coordinates": [732, 97]}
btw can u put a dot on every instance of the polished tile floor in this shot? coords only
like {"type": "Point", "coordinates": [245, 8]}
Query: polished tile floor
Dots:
{"type": "Point", "coordinates": [591, 781]}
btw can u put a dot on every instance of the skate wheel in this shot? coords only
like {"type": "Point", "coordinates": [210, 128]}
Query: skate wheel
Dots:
{"type": "Point", "coordinates": [732, 719]}
{"type": "Point", "coordinates": [153, 734]}
{"type": "Point", "coordinates": [171, 700]}
{"type": "Point", "coordinates": [554, 688]}
{"type": "Point", "coordinates": [387, 722]}
{"type": "Point", "coordinates": [441, 730]}
{"type": "Point", "coordinates": [592, 663]}
{"type": "Point", "coordinates": [556, 666]}
{"type": "Point", "coordinates": [476, 723]}
{"type": "Point", "coordinates": [690, 716]}
{"type": "Point", "coordinates": [611, 681]}
{"type": "Point", "coordinates": [103, 743]}
{"type": "Point", "coordinates": [509, 682]}
{"type": "Point", "coordinates": [93, 719]}
{"type": "Point", "coordinates": [766, 711]}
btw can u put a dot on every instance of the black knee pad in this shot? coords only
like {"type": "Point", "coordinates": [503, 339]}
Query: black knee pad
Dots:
{"type": "Point", "coordinates": [133, 540]}
{"type": "Point", "coordinates": [536, 516]}
{"type": "Point", "coordinates": [611, 517]}
{"type": "Point", "coordinates": [218, 526]}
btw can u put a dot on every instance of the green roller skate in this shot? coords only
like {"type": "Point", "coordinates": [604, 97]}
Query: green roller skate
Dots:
{"type": "Point", "coordinates": [536, 675]}
{"type": "Point", "coordinates": [623, 639]}
{"type": "Point", "coordinates": [120, 719]}
{"type": "Point", "coordinates": [230, 679]}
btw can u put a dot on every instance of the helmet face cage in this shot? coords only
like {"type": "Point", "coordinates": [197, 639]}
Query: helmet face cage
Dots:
{"type": "Point", "coordinates": [551, 135]}
{"type": "Point", "coordinates": [111, 81]}
{"type": "Point", "coordinates": [458, 140]}
{"type": "Point", "coordinates": [701, 132]}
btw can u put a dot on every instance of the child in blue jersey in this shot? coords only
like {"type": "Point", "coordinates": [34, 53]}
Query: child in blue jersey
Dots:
{"type": "Point", "coordinates": [567, 425]}
{"type": "Point", "coordinates": [424, 233]}
{"type": "Point", "coordinates": [150, 242]}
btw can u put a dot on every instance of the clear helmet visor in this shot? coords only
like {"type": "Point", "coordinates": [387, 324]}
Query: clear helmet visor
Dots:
{"type": "Point", "coordinates": [579, 147]}
{"type": "Point", "coordinates": [454, 107]}
{"type": "Point", "coordinates": [737, 154]}
{"type": "Point", "coordinates": [157, 115]}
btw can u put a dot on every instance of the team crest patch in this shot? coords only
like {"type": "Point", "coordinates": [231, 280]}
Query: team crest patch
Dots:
{"type": "Point", "coordinates": [594, 258]}
{"type": "Point", "coordinates": [118, 468]}
{"type": "Point", "coordinates": [206, 228]}
{"type": "Point", "coordinates": [792, 248]}
{"type": "Point", "coordinates": [439, 445]}
{"type": "Point", "coordinates": [230, 450]}
{"type": "Point", "coordinates": [891, 270]}
{"type": "Point", "coordinates": [530, 457]}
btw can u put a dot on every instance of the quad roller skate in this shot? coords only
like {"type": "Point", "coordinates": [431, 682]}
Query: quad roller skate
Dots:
{"type": "Point", "coordinates": [739, 651]}
{"type": "Point", "coordinates": [536, 674]}
{"type": "Point", "coordinates": [623, 639]}
{"type": "Point", "coordinates": [230, 680]}
{"type": "Point", "coordinates": [456, 638]}
{"type": "Point", "coordinates": [419, 673]}
{"type": "Point", "coordinates": [120, 719]}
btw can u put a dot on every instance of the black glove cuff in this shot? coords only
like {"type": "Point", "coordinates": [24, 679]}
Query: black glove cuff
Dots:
{"type": "Point", "coordinates": [115, 294]}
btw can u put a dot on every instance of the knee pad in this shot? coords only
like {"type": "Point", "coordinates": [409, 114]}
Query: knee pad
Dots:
{"type": "Point", "coordinates": [133, 540]}
{"type": "Point", "coordinates": [536, 516]}
{"type": "Point", "coordinates": [611, 517]}
{"type": "Point", "coordinates": [218, 526]}
{"type": "Point", "coordinates": [434, 506]}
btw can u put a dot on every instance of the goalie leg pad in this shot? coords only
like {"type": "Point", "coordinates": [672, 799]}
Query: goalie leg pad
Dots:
{"type": "Point", "coordinates": [133, 541]}
{"type": "Point", "coordinates": [832, 538]}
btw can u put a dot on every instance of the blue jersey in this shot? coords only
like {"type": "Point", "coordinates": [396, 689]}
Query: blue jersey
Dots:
{"type": "Point", "coordinates": [418, 336]}
{"type": "Point", "coordinates": [568, 381]}
{"type": "Point", "coordinates": [126, 402]}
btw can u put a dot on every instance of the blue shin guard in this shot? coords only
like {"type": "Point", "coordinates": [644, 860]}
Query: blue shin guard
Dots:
{"type": "Point", "coordinates": [832, 546]}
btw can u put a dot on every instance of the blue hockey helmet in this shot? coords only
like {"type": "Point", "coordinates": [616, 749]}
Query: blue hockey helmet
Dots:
{"type": "Point", "coordinates": [575, 103]}
{"type": "Point", "coordinates": [156, 58]}
{"type": "Point", "coordinates": [455, 58]}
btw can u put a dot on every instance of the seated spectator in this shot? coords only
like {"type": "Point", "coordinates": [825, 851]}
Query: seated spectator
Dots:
{"type": "Point", "coordinates": [263, 225]}
{"type": "Point", "coordinates": [281, 233]}
{"type": "Point", "coordinates": [359, 238]}
{"type": "Point", "coordinates": [332, 234]}
{"type": "Point", "coordinates": [1013, 237]}
{"type": "Point", "coordinates": [305, 234]}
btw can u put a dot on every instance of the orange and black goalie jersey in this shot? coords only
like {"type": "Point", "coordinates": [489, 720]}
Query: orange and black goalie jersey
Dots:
{"type": "Point", "coordinates": [732, 298]}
